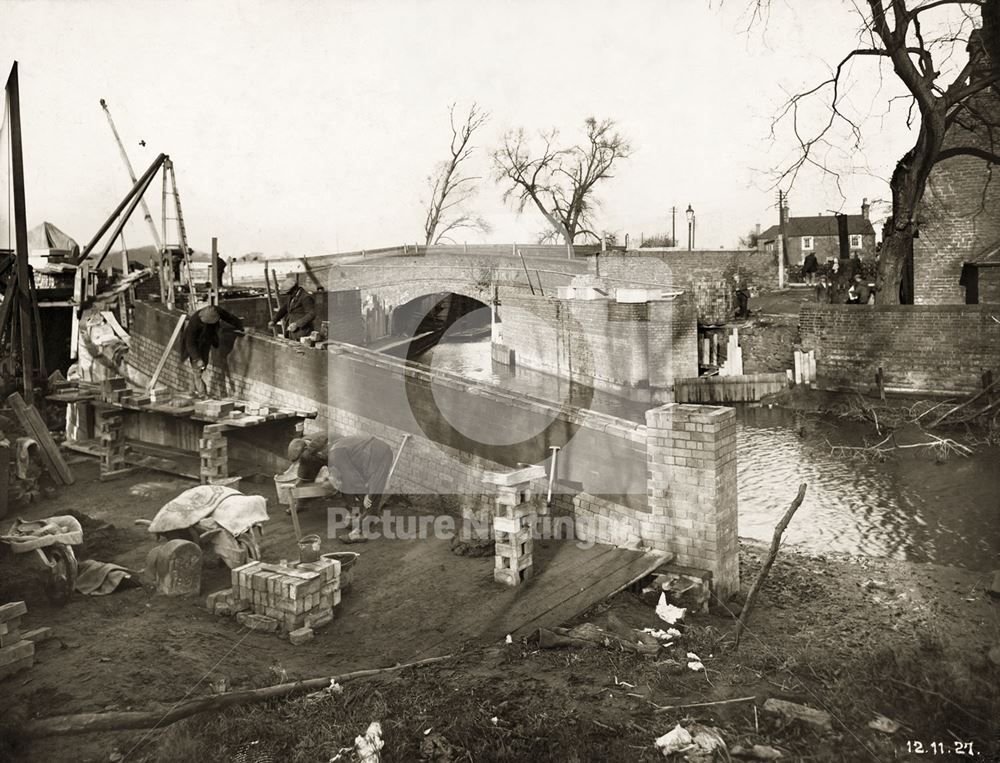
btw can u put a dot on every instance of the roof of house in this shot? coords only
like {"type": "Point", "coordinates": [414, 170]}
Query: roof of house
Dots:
{"type": "Point", "coordinates": [820, 225]}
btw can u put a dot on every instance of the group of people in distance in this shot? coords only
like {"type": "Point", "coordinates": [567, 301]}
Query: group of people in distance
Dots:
{"type": "Point", "coordinates": [844, 285]}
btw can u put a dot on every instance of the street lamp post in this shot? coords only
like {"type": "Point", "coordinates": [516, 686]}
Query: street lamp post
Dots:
{"type": "Point", "coordinates": [690, 218]}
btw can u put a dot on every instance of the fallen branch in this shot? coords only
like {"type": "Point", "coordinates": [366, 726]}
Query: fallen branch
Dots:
{"type": "Point", "coordinates": [660, 709]}
{"type": "Point", "coordinates": [968, 402]}
{"type": "Point", "coordinates": [775, 544]}
{"type": "Point", "coordinates": [151, 719]}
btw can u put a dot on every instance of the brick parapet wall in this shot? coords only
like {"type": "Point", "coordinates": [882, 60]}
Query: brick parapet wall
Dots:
{"type": "Point", "coordinates": [708, 273]}
{"type": "Point", "coordinates": [691, 457]}
{"type": "Point", "coordinates": [920, 348]}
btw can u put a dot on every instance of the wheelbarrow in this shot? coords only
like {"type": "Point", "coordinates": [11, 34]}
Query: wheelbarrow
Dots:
{"type": "Point", "coordinates": [217, 516]}
{"type": "Point", "coordinates": [49, 541]}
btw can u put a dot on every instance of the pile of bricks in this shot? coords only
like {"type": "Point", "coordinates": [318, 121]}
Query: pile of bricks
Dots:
{"type": "Point", "coordinates": [214, 409]}
{"type": "Point", "coordinates": [108, 425]}
{"type": "Point", "coordinates": [514, 525]}
{"type": "Point", "coordinates": [17, 647]}
{"type": "Point", "coordinates": [213, 448]}
{"type": "Point", "coordinates": [289, 599]}
{"type": "Point", "coordinates": [114, 389]}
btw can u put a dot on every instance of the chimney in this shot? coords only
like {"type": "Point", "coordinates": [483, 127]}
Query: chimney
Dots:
{"type": "Point", "coordinates": [865, 208]}
{"type": "Point", "coordinates": [979, 58]}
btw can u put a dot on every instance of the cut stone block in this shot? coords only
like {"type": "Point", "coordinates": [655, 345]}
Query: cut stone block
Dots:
{"type": "Point", "coordinates": [257, 622]}
{"type": "Point", "coordinates": [175, 567]}
{"type": "Point", "coordinates": [791, 711]}
{"type": "Point", "coordinates": [15, 652]}
{"type": "Point", "coordinates": [12, 610]}
{"type": "Point", "coordinates": [300, 635]}
{"type": "Point", "coordinates": [516, 477]}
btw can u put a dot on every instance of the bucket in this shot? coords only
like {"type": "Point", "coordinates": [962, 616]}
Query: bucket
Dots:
{"type": "Point", "coordinates": [347, 560]}
{"type": "Point", "coordinates": [309, 548]}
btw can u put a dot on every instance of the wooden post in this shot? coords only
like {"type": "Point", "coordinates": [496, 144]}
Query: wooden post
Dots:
{"type": "Point", "coordinates": [988, 384]}
{"type": "Point", "coordinates": [21, 238]}
{"type": "Point", "coordinates": [213, 273]}
{"type": "Point", "coordinates": [880, 382]}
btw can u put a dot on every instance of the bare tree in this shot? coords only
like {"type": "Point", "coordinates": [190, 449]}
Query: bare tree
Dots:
{"type": "Point", "coordinates": [451, 188]}
{"type": "Point", "coordinates": [900, 32]}
{"type": "Point", "coordinates": [750, 239]}
{"type": "Point", "coordinates": [560, 181]}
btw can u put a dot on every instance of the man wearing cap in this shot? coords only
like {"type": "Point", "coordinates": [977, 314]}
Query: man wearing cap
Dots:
{"type": "Point", "coordinates": [201, 334]}
{"type": "Point", "coordinates": [359, 468]}
{"type": "Point", "coordinates": [299, 310]}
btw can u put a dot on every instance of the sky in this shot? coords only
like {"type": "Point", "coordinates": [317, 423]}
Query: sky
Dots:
{"type": "Point", "coordinates": [310, 127]}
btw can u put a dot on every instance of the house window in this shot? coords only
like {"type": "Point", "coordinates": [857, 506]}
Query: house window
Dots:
{"type": "Point", "coordinates": [807, 243]}
{"type": "Point", "coordinates": [855, 242]}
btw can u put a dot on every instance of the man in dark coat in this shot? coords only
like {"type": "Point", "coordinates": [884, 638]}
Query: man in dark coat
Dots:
{"type": "Point", "coordinates": [298, 312]}
{"type": "Point", "coordinates": [359, 468]}
{"type": "Point", "coordinates": [201, 334]}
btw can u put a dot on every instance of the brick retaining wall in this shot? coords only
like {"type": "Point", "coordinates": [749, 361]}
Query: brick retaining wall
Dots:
{"type": "Point", "coordinates": [920, 348]}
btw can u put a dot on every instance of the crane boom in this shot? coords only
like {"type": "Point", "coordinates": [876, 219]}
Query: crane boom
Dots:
{"type": "Point", "coordinates": [131, 174]}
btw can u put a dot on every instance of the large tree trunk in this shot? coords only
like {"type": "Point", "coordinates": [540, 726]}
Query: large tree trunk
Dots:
{"type": "Point", "coordinates": [895, 249]}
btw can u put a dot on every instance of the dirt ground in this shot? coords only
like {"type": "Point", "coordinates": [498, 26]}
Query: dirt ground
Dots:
{"type": "Point", "coordinates": [854, 636]}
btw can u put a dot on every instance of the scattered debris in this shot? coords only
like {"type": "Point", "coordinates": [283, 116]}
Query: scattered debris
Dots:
{"type": "Point", "coordinates": [790, 711]}
{"type": "Point", "coordinates": [668, 613]}
{"type": "Point", "coordinates": [757, 752]}
{"type": "Point", "coordinates": [694, 662]}
{"type": "Point", "coordinates": [676, 740]}
{"type": "Point", "coordinates": [884, 724]}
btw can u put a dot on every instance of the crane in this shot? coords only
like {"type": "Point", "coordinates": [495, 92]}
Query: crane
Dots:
{"type": "Point", "coordinates": [131, 174]}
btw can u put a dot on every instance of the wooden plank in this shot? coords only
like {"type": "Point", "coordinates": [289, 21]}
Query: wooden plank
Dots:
{"type": "Point", "coordinates": [166, 353]}
{"type": "Point", "coordinates": [116, 327]}
{"type": "Point", "coordinates": [4, 477]}
{"type": "Point", "coordinates": [600, 589]}
{"type": "Point", "coordinates": [33, 424]}
{"type": "Point", "coordinates": [550, 592]}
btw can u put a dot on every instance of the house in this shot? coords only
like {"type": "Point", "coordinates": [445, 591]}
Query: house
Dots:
{"type": "Point", "coordinates": [820, 234]}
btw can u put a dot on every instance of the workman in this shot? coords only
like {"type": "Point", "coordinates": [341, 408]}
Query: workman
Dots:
{"type": "Point", "coordinates": [298, 312]}
{"type": "Point", "coordinates": [201, 334]}
{"type": "Point", "coordinates": [358, 465]}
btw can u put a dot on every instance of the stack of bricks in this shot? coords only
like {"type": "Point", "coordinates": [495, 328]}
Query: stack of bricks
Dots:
{"type": "Point", "coordinates": [214, 451]}
{"type": "Point", "coordinates": [514, 524]}
{"type": "Point", "coordinates": [214, 409]}
{"type": "Point", "coordinates": [16, 652]}
{"type": "Point", "coordinates": [113, 389]}
{"type": "Point", "coordinates": [290, 599]}
{"type": "Point", "coordinates": [108, 424]}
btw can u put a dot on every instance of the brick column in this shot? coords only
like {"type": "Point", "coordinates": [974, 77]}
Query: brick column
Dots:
{"type": "Point", "coordinates": [691, 457]}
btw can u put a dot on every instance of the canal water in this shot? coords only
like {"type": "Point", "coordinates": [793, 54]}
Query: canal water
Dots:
{"type": "Point", "coordinates": [912, 509]}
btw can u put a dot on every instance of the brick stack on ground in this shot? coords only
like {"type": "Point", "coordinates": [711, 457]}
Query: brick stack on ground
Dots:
{"type": "Point", "coordinates": [289, 599]}
{"type": "Point", "coordinates": [514, 525]}
{"type": "Point", "coordinates": [108, 423]}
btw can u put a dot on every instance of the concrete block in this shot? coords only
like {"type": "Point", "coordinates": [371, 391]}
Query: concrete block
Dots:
{"type": "Point", "coordinates": [15, 667]}
{"type": "Point", "coordinates": [15, 652]}
{"type": "Point", "coordinates": [12, 637]}
{"type": "Point", "coordinates": [38, 635]}
{"type": "Point", "coordinates": [175, 568]}
{"type": "Point", "coordinates": [300, 635]}
{"type": "Point", "coordinates": [518, 477]}
{"type": "Point", "coordinates": [12, 610]}
{"type": "Point", "coordinates": [319, 617]}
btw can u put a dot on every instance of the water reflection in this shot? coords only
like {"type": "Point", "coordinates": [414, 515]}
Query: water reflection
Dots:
{"type": "Point", "coordinates": [910, 509]}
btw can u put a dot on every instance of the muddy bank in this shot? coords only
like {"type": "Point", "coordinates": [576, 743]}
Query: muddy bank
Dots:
{"type": "Point", "coordinates": [854, 637]}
